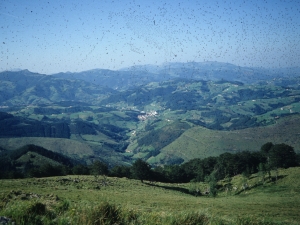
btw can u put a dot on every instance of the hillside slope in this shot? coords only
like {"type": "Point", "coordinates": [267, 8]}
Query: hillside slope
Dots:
{"type": "Point", "coordinates": [154, 203]}
{"type": "Point", "coordinates": [169, 120]}
{"type": "Point", "coordinates": [200, 142]}
{"type": "Point", "coordinates": [71, 148]}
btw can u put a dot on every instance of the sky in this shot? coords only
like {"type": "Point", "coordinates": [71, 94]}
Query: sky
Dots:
{"type": "Point", "coordinates": [59, 36]}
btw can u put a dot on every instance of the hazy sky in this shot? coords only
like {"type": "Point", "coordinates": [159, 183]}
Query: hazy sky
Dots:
{"type": "Point", "coordinates": [70, 35]}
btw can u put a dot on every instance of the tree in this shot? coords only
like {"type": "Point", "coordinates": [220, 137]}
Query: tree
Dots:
{"type": "Point", "coordinates": [212, 182]}
{"type": "Point", "coordinates": [298, 159]}
{"type": "Point", "coordinates": [247, 172]}
{"type": "Point", "coordinates": [282, 156]}
{"type": "Point", "coordinates": [80, 170]}
{"type": "Point", "coordinates": [120, 171]}
{"type": "Point", "coordinates": [141, 170]}
{"type": "Point", "coordinates": [228, 184]}
{"type": "Point", "coordinates": [245, 181]}
{"type": "Point", "coordinates": [175, 173]}
{"type": "Point", "coordinates": [266, 147]}
{"type": "Point", "coordinates": [99, 168]}
{"type": "Point", "coordinates": [225, 165]}
{"type": "Point", "coordinates": [262, 170]}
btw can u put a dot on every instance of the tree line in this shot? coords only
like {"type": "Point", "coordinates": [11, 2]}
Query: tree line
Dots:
{"type": "Point", "coordinates": [270, 157]}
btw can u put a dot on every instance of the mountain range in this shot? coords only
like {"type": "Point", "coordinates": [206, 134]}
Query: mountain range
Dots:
{"type": "Point", "coordinates": [164, 114]}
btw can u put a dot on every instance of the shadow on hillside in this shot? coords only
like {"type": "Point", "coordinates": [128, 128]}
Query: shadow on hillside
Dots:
{"type": "Point", "coordinates": [179, 189]}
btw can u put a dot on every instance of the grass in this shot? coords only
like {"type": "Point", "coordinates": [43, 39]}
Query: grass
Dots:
{"type": "Point", "coordinates": [200, 142]}
{"type": "Point", "coordinates": [64, 146]}
{"type": "Point", "coordinates": [86, 200]}
{"type": "Point", "coordinates": [100, 137]}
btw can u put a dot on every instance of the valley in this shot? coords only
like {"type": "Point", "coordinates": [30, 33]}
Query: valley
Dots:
{"type": "Point", "coordinates": [207, 150]}
{"type": "Point", "coordinates": [166, 118]}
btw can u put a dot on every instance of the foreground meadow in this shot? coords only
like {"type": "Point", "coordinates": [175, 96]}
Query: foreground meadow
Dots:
{"type": "Point", "coordinates": [109, 200]}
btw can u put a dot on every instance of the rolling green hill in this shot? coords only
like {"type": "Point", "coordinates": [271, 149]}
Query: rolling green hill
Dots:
{"type": "Point", "coordinates": [165, 122]}
{"type": "Point", "coordinates": [26, 88]}
{"type": "Point", "coordinates": [33, 161]}
{"type": "Point", "coordinates": [85, 200]}
{"type": "Point", "coordinates": [78, 131]}
{"type": "Point", "coordinates": [71, 148]}
{"type": "Point", "coordinates": [200, 142]}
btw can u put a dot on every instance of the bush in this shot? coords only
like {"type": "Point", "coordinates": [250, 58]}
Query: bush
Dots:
{"type": "Point", "coordinates": [104, 214]}
{"type": "Point", "coordinates": [33, 214]}
{"type": "Point", "coordinates": [36, 208]}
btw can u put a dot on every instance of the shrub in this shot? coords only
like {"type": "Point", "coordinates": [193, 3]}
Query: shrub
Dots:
{"type": "Point", "coordinates": [32, 214]}
{"type": "Point", "coordinates": [104, 214]}
{"type": "Point", "coordinates": [36, 208]}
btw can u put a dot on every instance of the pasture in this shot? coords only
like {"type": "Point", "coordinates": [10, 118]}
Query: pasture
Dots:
{"type": "Point", "coordinates": [82, 199]}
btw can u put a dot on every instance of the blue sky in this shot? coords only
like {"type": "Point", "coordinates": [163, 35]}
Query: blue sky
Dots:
{"type": "Point", "coordinates": [59, 36]}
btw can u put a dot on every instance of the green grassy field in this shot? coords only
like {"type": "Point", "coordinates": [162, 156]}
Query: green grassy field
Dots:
{"type": "Point", "coordinates": [88, 199]}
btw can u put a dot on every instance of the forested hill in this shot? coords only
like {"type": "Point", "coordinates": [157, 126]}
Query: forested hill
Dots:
{"type": "Point", "coordinates": [12, 126]}
{"type": "Point", "coordinates": [30, 160]}
{"type": "Point", "coordinates": [24, 88]}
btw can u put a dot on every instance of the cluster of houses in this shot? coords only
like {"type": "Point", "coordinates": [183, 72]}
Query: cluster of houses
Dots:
{"type": "Point", "coordinates": [145, 115]}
